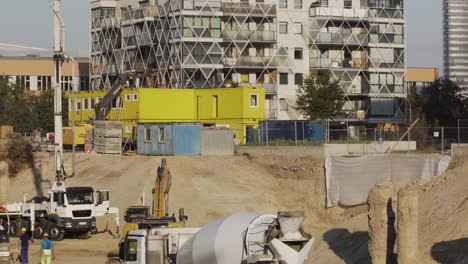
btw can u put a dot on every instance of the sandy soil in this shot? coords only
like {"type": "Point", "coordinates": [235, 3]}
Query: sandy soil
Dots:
{"type": "Point", "coordinates": [211, 187]}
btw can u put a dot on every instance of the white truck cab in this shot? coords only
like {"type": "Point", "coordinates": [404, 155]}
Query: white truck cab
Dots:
{"type": "Point", "coordinates": [155, 246]}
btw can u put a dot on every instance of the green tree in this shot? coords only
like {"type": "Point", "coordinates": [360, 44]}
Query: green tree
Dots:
{"type": "Point", "coordinates": [320, 97]}
{"type": "Point", "coordinates": [440, 103]}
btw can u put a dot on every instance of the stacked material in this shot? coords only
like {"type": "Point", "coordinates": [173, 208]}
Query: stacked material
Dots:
{"type": "Point", "coordinates": [5, 132]}
{"type": "Point", "coordinates": [108, 137]}
{"type": "Point", "coordinates": [89, 139]}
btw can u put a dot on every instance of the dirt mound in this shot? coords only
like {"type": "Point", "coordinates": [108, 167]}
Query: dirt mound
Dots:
{"type": "Point", "coordinates": [443, 228]}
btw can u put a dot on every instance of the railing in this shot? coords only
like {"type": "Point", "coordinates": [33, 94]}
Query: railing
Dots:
{"type": "Point", "coordinates": [356, 63]}
{"type": "Point", "coordinates": [338, 12]}
{"type": "Point", "coordinates": [395, 13]}
{"type": "Point", "coordinates": [148, 11]}
{"type": "Point", "coordinates": [251, 9]}
{"type": "Point", "coordinates": [252, 35]}
{"type": "Point", "coordinates": [270, 88]}
{"type": "Point", "coordinates": [386, 38]}
{"type": "Point", "coordinates": [342, 38]}
{"type": "Point", "coordinates": [249, 61]}
{"type": "Point", "coordinates": [360, 13]}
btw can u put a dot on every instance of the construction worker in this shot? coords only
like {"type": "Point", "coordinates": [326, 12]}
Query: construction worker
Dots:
{"type": "Point", "coordinates": [47, 250]}
{"type": "Point", "coordinates": [24, 245]}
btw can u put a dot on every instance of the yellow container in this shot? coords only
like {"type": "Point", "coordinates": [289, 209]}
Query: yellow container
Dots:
{"type": "Point", "coordinates": [80, 134]}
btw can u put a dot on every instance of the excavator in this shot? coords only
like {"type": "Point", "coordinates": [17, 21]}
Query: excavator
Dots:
{"type": "Point", "coordinates": [140, 217]}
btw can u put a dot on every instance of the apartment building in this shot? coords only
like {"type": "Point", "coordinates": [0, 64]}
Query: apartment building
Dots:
{"type": "Point", "coordinates": [456, 41]}
{"type": "Point", "coordinates": [33, 69]}
{"type": "Point", "coordinates": [273, 44]}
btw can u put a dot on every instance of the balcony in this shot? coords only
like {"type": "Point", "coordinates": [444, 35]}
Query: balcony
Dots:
{"type": "Point", "coordinates": [249, 62]}
{"type": "Point", "coordinates": [271, 113]}
{"type": "Point", "coordinates": [249, 35]}
{"type": "Point", "coordinates": [261, 10]}
{"type": "Point", "coordinates": [148, 11]}
{"type": "Point", "coordinates": [270, 88]}
{"type": "Point", "coordinates": [391, 13]}
{"type": "Point", "coordinates": [343, 13]}
{"type": "Point", "coordinates": [350, 39]}
{"type": "Point", "coordinates": [339, 63]}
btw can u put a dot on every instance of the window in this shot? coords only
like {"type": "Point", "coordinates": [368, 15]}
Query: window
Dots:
{"type": "Point", "coordinates": [298, 53]}
{"type": "Point", "coordinates": [44, 83]}
{"type": "Point", "coordinates": [23, 82]}
{"type": "Point", "coordinates": [348, 4]}
{"type": "Point", "coordinates": [298, 79]}
{"type": "Point", "coordinates": [283, 104]}
{"type": "Point", "coordinates": [283, 3]}
{"type": "Point", "coordinates": [93, 103]}
{"type": "Point", "coordinates": [147, 135]}
{"type": "Point", "coordinates": [283, 78]}
{"type": "Point", "coordinates": [297, 28]}
{"type": "Point", "coordinates": [254, 100]}
{"type": "Point", "coordinates": [85, 104]}
{"type": "Point", "coordinates": [128, 97]}
{"type": "Point", "coordinates": [161, 134]}
{"type": "Point", "coordinates": [298, 4]}
{"type": "Point", "coordinates": [283, 27]}
{"type": "Point", "coordinates": [128, 129]}
{"type": "Point", "coordinates": [135, 97]}
{"type": "Point", "coordinates": [114, 103]}
{"type": "Point", "coordinates": [132, 250]}
{"type": "Point", "coordinates": [84, 83]}
{"type": "Point", "coordinates": [66, 83]}
{"type": "Point", "coordinates": [78, 104]}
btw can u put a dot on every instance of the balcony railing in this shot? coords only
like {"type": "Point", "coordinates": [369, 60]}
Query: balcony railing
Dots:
{"type": "Point", "coordinates": [252, 35]}
{"type": "Point", "coordinates": [337, 38]}
{"type": "Point", "coordinates": [358, 13]}
{"type": "Point", "coordinates": [250, 61]}
{"type": "Point", "coordinates": [148, 11]}
{"type": "Point", "coordinates": [338, 12]}
{"type": "Point", "coordinates": [250, 9]}
{"type": "Point", "coordinates": [328, 63]}
{"type": "Point", "coordinates": [270, 88]}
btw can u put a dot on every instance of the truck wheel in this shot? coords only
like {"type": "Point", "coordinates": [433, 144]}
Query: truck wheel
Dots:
{"type": "Point", "coordinates": [85, 235]}
{"type": "Point", "coordinates": [14, 228]}
{"type": "Point", "coordinates": [55, 233]}
{"type": "Point", "coordinates": [38, 230]}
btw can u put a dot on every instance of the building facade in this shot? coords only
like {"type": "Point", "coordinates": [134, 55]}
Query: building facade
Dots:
{"type": "Point", "coordinates": [272, 44]}
{"type": "Point", "coordinates": [420, 78]}
{"type": "Point", "coordinates": [456, 41]}
{"type": "Point", "coordinates": [33, 69]}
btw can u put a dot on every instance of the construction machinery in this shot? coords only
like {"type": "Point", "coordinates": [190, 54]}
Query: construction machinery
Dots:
{"type": "Point", "coordinates": [237, 239]}
{"type": "Point", "coordinates": [142, 217]}
{"type": "Point", "coordinates": [67, 209]}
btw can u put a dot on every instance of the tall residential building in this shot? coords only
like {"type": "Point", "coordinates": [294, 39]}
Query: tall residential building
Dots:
{"type": "Point", "coordinates": [456, 41]}
{"type": "Point", "coordinates": [274, 44]}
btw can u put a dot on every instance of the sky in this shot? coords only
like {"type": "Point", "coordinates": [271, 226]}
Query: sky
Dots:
{"type": "Point", "coordinates": [29, 23]}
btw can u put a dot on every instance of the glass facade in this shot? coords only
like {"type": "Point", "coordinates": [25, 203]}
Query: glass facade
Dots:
{"type": "Point", "coordinates": [456, 41]}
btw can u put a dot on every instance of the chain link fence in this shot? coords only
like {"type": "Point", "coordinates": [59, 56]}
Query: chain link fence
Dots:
{"type": "Point", "coordinates": [291, 133]}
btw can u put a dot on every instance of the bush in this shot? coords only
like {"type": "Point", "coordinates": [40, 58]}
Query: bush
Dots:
{"type": "Point", "coordinates": [18, 155]}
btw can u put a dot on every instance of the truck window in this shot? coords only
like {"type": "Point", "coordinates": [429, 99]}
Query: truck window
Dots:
{"type": "Point", "coordinates": [131, 250]}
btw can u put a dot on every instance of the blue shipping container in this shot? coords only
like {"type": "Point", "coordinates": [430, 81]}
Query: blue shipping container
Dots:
{"type": "Point", "coordinates": [167, 139]}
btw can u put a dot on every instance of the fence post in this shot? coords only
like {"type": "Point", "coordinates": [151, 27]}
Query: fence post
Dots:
{"type": "Point", "coordinates": [443, 142]}
{"type": "Point", "coordinates": [266, 137]}
{"type": "Point", "coordinates": [295, 132]}
{"type": "Point", "coordinates": [458, 131]}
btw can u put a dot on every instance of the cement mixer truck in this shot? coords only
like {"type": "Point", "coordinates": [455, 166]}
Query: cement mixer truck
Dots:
{"type": "Point", "coordinates": [240, 238]}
